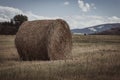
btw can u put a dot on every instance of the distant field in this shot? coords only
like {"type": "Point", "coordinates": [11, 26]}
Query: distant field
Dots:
{"type": "Point", "coordinates": [93, 57]}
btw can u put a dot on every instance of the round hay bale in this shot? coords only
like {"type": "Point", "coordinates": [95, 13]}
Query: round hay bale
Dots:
{"type": "Point", "coordinates": [43, 40]}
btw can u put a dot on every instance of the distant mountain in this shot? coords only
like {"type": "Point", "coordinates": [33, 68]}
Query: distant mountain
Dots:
{"type": "Point", "coordinates": [95, 29]}
{"type": "Point", "coordinates": [112, 31]}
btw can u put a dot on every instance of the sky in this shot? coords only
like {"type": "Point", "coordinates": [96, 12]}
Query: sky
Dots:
{"type": "Point", "coordinates": [77, 13]}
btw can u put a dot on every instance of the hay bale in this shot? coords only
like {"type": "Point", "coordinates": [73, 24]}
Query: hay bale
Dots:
{"type": "Point", "coordinates": [43, 40]}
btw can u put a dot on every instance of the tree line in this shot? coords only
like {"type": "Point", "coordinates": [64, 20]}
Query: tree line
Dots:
{"type": "Point", "coordinates": [11, 27]}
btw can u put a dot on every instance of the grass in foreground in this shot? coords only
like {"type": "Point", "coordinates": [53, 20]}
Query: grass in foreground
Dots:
{"type": "Point", "coordinates": [93, 58]}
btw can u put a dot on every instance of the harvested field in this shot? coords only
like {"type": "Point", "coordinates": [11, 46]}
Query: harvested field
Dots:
{"type": "Point", "coordinates": [93, 57]}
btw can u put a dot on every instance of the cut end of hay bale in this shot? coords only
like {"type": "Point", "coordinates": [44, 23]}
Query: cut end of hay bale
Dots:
{"type": "Point", "coordinates": [44, 40]}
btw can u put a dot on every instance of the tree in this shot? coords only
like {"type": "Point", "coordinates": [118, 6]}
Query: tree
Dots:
{"type": "Point", "coordinates": [11, 22]}
{"type": "Point", "coordinates": [19, 19]}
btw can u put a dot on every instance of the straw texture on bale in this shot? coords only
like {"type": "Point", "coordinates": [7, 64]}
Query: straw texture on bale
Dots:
{"type": "Point", "coordinates": [44, 40]}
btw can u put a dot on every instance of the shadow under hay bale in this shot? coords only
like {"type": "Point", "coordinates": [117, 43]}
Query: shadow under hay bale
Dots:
{"type": "Point", "coordinates": [44, 40]}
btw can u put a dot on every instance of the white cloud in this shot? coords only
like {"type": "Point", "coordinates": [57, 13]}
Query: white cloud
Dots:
{"type": "Point", "coordinates": [83, 21]}
{"type": "Point", "coordinates": [33, 16]}
{"type": "Point", "coordinates": [75, 21]}
{"type": "Point", "coordinates": [85, 7]}
{"type": "Point", "coordinates": [66, 3]}
{"type": "Point", "coordinates": [6, 13]}
{"type": "Point", "coordinates": [93, 6]}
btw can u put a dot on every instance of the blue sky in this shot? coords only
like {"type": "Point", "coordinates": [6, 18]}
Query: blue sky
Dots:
{"type": "Point", "coordinates": [78, 13]}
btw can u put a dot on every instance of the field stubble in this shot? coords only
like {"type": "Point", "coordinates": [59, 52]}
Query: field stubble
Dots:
{"type": "Point", "coordinates": [93, 57]}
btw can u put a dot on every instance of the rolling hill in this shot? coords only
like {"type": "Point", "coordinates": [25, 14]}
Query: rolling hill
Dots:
{"type": "Point", "coordinates": [112, 31]}
{"type": "Point", "coordinates": [96, 29]}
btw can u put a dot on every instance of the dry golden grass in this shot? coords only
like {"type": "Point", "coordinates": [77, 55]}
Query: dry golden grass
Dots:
{"type": "Point", "coordinates": [94, 57]}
